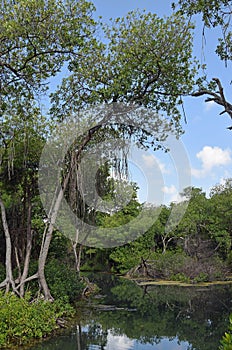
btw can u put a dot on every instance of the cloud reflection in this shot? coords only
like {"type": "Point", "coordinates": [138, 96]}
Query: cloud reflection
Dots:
{"type": "Point", "coordinates": [116, 342]}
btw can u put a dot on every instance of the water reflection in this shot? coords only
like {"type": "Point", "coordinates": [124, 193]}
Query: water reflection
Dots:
{"type": "Point", "coordinates": [160, 318]}
{"type": "Point", "coordinates": [113, 341]}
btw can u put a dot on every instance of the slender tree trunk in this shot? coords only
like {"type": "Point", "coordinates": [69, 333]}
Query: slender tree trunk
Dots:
{"type": "Point", "coordinates": [164, 245]}
{"type": "Point", "coordinates": [28, 249]}
{"type": "Point", "coordinates": [9, 281]}
{"type": "Point", "coordinates": [77, 255]}
{"type": "Point", "coordinates": [79, 337]}
{"type": "Point", "coordinates": [48, 231]}
{"type": "Point", "coordinates": [18, 265]}
{"type": "Point", "coordinates": [42, 261]}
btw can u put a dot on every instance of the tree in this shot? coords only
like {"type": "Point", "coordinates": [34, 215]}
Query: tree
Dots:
{"type": "Point", "coordinates": [19, 191]}
{"type": "Point", "coordinates": [37, 38]}
{"type": "Point", "coordinates": [134, 76]}
{"type": "Point", "coordinates": [214, 14]}
{"type": "Point", "coordinates": [220, 223]}
{"type": "Point", "coordinates": [147, 61]}
{"type": "Point", "coordinates": [194, 225]}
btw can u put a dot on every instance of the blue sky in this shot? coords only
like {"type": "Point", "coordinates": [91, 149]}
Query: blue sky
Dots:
{"type": "Point", "coordinates": [207, 141]}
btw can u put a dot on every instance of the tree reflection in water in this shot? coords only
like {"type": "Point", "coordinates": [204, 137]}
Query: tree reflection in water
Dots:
{"type": "Point", "coordinates": [144, 318]}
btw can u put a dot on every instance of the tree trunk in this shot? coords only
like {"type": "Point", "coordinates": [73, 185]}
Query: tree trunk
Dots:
{"type": "Point", "coordinates": [47, 236]}
{"type": "Point", "coordinates": [28, 249]}
{"type": "Point", "coordinates": [9, 281]}
{"type": "Point", "coordinates": [77, 255]}
{"type": "Point", "coordinates": [164, 245]}
{"type": "Point", "coordinates": [79, 337]}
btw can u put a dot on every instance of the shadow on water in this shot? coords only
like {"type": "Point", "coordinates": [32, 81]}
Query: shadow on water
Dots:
{"type": "Point", "coordinates": [152, 317]}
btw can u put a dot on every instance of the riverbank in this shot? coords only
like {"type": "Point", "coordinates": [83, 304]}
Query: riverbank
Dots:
{"type": "Point", "coordinates": [179, 267]}
{"type": "Point", "coordinates": [158, 282]}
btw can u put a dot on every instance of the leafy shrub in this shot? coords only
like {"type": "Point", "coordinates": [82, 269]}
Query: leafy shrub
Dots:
{"type": "Point", "coordinates": [22, 320]}
{"type": "Point", "coordinates": [180, 277]}
{"type": "Point", "coordinates": [202, 277]}
{"type": "Point", "coordinates": [178, 266]}
{"type": "Point", "coordinates": [124, 258]}
{"type": "Point", "coordinates": [226, 342]}
{"type": "Point", "coordinates": [171, 264]}
{"type": "Point", "coordinates": [63, 281]}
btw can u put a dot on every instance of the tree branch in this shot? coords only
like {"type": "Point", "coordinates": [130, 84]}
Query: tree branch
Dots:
{"type": "Point", "coordinates": [217, 97]}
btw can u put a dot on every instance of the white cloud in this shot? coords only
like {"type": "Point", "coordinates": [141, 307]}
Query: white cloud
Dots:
{"type": "Point", "coordinates": [169, 190]}
{"type": "Point", "coordinates": [211, 157]}
{"type": "Point", "coordinates": [151, 161]}
{"type": "Point", "coordinates": [172, 193]}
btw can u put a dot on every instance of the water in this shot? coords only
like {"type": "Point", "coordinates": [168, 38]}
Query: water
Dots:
{"type": "Point", "coordinates": [129, 317]}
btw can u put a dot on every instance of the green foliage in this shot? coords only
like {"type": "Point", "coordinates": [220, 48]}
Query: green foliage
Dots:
{"type": "Point", "coordinates": [125, 258]}
{"type": "Point", "coordinates": [63, 281]}
{"type": "Point", "coordinates": [226, 342]}
{"type": "Point", "coordinates": [202, 277]}
{"type": "Point", "coordinates": [214, 13]}
{"type": "Point", "coordinates": [180, 277]}
{"type": "Point", "coordinates": [22, 320]}
{"type": "Point", "coordinates": [141, 59]}
{"type": "Point", "coordinates": [37, 38]}
{"type": "Point", "coordinates": [59, 247]}
{"type": "Point", "coordinates": [170, 264]}
{"type": "Point", "coordinates": [220, 214]}
{"type": "Point", "coordinates": [199, 249]}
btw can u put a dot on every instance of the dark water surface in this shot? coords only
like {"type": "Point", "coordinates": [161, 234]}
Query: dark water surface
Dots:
{"type": "Point", "coordinates": [129, 317]}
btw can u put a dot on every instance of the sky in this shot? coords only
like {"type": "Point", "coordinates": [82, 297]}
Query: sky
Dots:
{"type": "Point", "coordinates": [206, 143]}
{"type": "Point", "coordinates": [115, 342]}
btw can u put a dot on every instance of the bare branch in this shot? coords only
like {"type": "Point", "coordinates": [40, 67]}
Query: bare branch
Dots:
{"type": "Point", "coordinates": [217, 97]}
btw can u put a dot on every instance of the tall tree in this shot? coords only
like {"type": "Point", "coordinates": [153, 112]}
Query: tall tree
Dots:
{"type": "Point", "coordinates": [37, 38]}
{"type": "Point", "coordinates": [138, 70]}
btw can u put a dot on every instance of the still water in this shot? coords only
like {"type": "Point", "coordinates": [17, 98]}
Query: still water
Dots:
{"type": "Point", "coordinates": [130, 317]}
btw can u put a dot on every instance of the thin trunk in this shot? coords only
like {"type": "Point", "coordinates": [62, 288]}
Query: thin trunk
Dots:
{"type": "Point", "coordinates": [79, 337]}
{"type": "Point", "coordinates": [9, 281]}
{"type": "Point", "coordinates": [164, 245]}
{"type": "Point", "coordinates": [47, 240]}
{"type": "Point", "coordinates": [77, 255]}
{"type": "Point", "coordinates": [18, 266]}
{"type": "Point", "coordinates": [28, 249]}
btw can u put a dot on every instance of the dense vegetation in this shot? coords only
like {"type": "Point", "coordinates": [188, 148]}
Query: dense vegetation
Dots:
{"type": "Point", "coordinates": [198, 249]}
{"type": "Point", "coordinates": [131, 65]}
{"type": "Point", "coordinates": [23, 320]}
